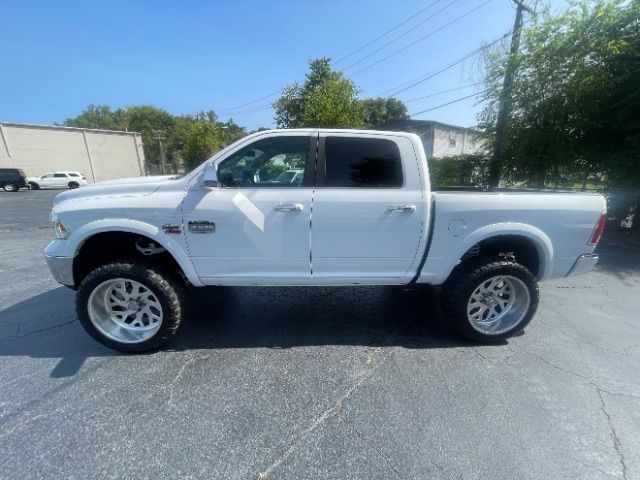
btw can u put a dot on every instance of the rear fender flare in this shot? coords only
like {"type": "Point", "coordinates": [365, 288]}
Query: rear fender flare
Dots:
{"type": "Point", "coordinates": [540, 239]}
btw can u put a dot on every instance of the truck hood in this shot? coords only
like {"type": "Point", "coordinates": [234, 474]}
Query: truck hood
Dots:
{"type": "Point", "coordinates": [122, 187]}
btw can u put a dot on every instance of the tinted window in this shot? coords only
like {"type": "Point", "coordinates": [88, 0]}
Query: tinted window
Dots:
{"type": "Point", "coordinates": [59, 175]}
{"type": "Point", "coordinates": [271, 162]}
{"type": "Point", "coordinates": [362, 162]}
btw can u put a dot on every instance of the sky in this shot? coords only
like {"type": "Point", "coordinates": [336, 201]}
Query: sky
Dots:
{"type": "Point", "coordinates": [190, 56]}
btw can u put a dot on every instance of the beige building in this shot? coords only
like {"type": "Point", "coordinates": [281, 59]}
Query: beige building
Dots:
{"type": "Point", "coordinates": [98, 154]}
{"type": "Point", "coordinates": [439, 139]}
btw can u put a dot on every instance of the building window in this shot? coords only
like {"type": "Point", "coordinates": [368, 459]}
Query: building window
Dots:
{"type": "Point", "coordinates": [452, 138]}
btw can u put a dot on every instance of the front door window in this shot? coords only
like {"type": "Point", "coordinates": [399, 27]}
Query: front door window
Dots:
{"type": "Point", "coordinates": [271, 162]}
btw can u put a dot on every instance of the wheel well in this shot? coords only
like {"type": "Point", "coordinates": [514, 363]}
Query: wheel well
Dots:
{"type": "Point", "coordinates": [522, 249]}
{"type": "Point", "coordinates": [106, 247]}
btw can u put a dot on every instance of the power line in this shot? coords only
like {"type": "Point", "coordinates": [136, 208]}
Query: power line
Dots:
{"type": "Point", "coordinates": [273, 94]}
{"type": "Point", "coordinates": [448, 103]}
{"type": "Point", "coordinates": [438, 71]}
{"type": "Point", "coordinates": [230, 110]}
{"type": "Point", "coordinates": [359, 49]}
{"type": "Point", "coordinates": [258, 108]}
{"type": "Point", "coordinates": [400, 36]}
{"type": "Point", "coordinates": [442, 92]}
{"type": "Point", "coordinates": [466, 14]}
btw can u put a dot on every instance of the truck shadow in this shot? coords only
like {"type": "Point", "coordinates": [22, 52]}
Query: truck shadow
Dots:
{"type": "Point", "coordinates": [45, 326]}
{"type": "Point", "coordinates": [286, 317]}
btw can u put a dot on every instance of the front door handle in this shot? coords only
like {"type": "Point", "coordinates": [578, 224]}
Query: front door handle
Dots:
{"type": "Point", "coordinates": [402, 208]}
{"type": "Point", "coordinates": [289, 207]}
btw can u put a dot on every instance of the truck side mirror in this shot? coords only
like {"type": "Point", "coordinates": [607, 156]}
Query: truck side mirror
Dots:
{"type": "Point", "coordinates": [210, 175]}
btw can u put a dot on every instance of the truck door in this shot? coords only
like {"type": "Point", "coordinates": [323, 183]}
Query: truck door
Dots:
{"type": "Point", "coordinates": [254, 228]}
{"type": "Point", "coordinates": [369, 210]}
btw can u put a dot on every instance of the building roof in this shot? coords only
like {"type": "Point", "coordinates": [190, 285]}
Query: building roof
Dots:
{"type": "Point", "coordinates": [61, 127]}
{"type": "Point", "coordinates": [400, 123]}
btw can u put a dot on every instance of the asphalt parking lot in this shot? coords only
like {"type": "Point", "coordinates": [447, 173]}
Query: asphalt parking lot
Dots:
{"type": "Point", "coordinates": [292, 383]}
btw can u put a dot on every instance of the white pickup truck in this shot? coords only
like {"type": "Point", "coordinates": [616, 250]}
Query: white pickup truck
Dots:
{"type": "Point", "coordinates": [363, 213]}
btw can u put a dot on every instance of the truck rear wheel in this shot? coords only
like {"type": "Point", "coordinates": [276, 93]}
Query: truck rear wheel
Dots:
{"type": "Point", "coordinates": [131, 305]}
{"type": "Point", "coordinates": [491, 300]}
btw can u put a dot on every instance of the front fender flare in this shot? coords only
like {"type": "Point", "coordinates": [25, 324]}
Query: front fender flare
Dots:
{"type": "Point", "coordinates": [175, 249]}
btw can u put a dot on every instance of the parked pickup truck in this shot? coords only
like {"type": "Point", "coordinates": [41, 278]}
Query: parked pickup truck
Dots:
{"type": "Point", "coordinates": [363, 214]}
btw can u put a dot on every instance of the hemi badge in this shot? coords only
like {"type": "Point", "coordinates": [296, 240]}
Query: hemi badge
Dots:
{"type": "Point", "coordinates": [202, 226]}
{"type": "Point", "coordinates": [169, 228]}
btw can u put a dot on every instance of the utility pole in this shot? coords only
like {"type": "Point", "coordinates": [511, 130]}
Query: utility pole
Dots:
{"type": "Point", "coordinates": [495, 167]}
{"type": "Point", "coordinates": [159, 136]}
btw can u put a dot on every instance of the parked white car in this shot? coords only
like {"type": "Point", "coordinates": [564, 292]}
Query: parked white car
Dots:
{"type": "Point", "coordinates": [57, 180]}
{"type": "Point", "coordinates": [363, 214]}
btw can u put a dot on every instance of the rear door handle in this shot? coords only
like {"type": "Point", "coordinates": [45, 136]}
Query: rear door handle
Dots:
{"type": "Point", "coordinates": [289, 207]}
{"type": "Point", "coordinates": [402, 208]}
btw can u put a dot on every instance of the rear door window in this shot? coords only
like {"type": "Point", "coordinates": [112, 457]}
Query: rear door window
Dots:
{"type": "Point", "coordinates": [362, 163]}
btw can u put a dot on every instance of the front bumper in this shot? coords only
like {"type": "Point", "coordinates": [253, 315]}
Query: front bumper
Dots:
{"type": "Point", "coordinates": [584, 264]}
{"type": "Point", "coordinates": [62, 269]}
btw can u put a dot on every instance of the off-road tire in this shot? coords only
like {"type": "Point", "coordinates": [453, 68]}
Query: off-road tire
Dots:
{"type": "Point", "coordinates": [168, 287]}
{"type": "Point", "coordinates": [459, 288]}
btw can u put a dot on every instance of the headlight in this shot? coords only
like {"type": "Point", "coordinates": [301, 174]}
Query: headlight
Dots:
{"type": "Point", "coordinates": [58, 226]}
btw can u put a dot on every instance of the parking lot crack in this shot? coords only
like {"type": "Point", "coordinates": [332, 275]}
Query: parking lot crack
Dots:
{"type": "Point", "coordinates": [170, 386]}
{"type": "Point", "coordinates": [334, 408]}
{"type": "Point", "coordinates": [617, 444]}
{"type": "Point", "coordinates": [47, 329]}
{"type": "Point", "coordinates": [584, 378]}
{"type": "Point", "coordinates": [192, 360]}
{"type": "Point", "coordinates": [23, 425]}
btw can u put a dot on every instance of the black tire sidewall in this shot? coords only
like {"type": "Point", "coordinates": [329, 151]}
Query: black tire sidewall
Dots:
{"type": "Point", "coordinates": [73, 185]}
{"type": "Point", "coordinates": [467, 280]}
{"type": "Point", "coordinates": [13, 188]}
{"type": "Point", "coordinates": [165, 287]}
{"type": "Point", "coordinates": [35, 186]}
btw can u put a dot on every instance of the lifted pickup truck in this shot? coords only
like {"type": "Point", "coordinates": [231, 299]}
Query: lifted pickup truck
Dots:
{"type": "Point", "coordinates": [362, 214]}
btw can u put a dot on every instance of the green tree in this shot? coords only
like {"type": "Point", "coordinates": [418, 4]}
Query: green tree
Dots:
{"type": "Point", "coordinates": [144, 119]}
{"type": "Point", "coordinates": [573, 110]}
{"type": "Point", "coordinates": [380, 110]}
{"type": "Point", "coordinates": [333, 104]}
{"type": "Point", "coordinates": [325, 99]}
{"type": "Point", "coordinates": [203, 140]}
{"type": "Point", "coordinates": [97, 116]}
{"type": "Point", "coordinates": [149, 120]}
{"type": "Point", "coordinates": [175, 130]}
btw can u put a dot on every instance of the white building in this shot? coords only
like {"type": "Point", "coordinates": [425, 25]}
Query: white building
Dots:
{"type": "Point", "coordinates": [98, 154]}
{"type": "Point", "coordinates": [439, 139]}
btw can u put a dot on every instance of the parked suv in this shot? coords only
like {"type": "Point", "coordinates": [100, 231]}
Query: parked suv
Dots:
{"type": "Point", "coordinates": [11, 179]}
{"type": "Point", "coordinates": [58, 180]}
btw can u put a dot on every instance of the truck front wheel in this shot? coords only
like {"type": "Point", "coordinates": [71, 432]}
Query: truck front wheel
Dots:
{"type": "Point", "coordinates": [489, 301]}
{"type": "Point", "coordinates": [131, 305]}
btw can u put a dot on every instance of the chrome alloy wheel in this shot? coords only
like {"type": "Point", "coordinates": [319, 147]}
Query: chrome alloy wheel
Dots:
{"type": "Point", "coordinates": [125, 310]}
{"type": "Point", "coordinates": [498, 304]}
